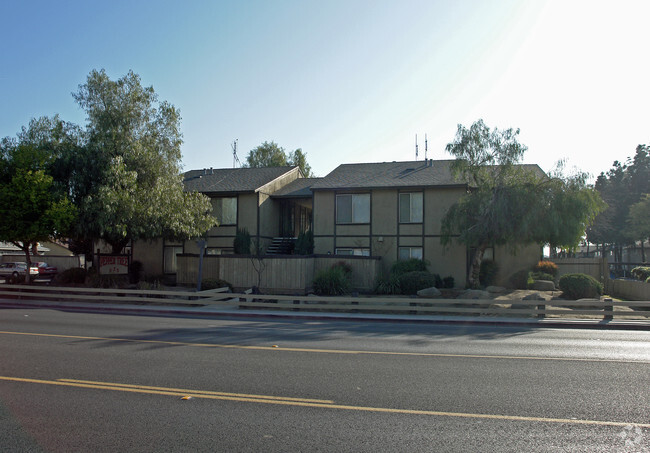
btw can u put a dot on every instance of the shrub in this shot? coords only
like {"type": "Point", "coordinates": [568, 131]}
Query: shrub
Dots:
{"type": "Point", "coordinates": [580, 286]}
{"type": "Point", "coordinates": [304, 243]}
{"type": "Point", "coordinates": [412, 282]}
{"type": "Point", "coordinates": [333, 281]}
{"type": "Point", "coordinates": [345, 266]}
{"type": "Point", "coordinates": [647, 280]}
{"type": "Point", "coordinates": [387, 285]}
{"type": "Point", "coordinates": [214, 283]}
{"type": "Point", "coordinates": [437, 281]}
{"type": "Point", "coordinates": [242, 243]}
{"type": "Point", "coordinates": [448, 282]}
{"type": "Point", "coordinates": [546, 267]}
{"type": "Point", "coordinates": [641, 273]}
{"type": "Point", "coordinates": [411, 265]}
{"type": "Point", "coordinates": [75, 275]}
{"type": "Point", "coordinates": [521, 279]}
{"type": "Point", "coordinates": [488, 272]}
{"type": "Point", "coordinates": [542, 276]}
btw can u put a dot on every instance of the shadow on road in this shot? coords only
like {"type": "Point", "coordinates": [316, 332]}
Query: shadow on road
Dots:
{"type": "Point", "coordinates": [297, 333]}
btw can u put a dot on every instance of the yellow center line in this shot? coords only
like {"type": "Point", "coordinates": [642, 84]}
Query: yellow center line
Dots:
{"type": "Point", "coordinates": [327, 351]}
{"type": "Point", "coordinates": [195, 392]}
{"type": "Point", "coordinates": [305, 402]}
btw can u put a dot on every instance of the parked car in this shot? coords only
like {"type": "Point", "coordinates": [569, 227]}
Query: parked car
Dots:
{"type": "Point", "coordinates": [45, 270]}
{"type": "Point", "coordinates": [11, 271]}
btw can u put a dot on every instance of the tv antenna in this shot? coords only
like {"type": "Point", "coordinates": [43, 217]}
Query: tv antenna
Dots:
{"type": "Point", "coordinates": [235, 159]}
{"type": "Point", "coordinates": [416, 146]}
{"type": "Point", "coordinates": [426, 147]}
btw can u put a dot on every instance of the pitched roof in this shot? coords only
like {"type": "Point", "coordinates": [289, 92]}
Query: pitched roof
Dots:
{"type": "Point", "coordinates": [389, 174]}
{"type": "Point", "coordinates": [225, 180]}
{"type": "Point", "coordinates": [394, 175]}
{"type": "Point", "coordinates": [298, 188]}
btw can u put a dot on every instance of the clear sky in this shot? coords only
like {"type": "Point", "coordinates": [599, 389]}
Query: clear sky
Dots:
{"type": "Point", "coordinates": [348, 81]}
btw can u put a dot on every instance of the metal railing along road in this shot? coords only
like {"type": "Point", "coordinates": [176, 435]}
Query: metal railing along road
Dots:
{"type": "Point", "coordinates": [606, 309]}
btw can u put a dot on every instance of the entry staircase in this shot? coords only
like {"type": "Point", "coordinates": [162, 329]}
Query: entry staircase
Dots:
{"type": "Point", "coordinates": [281, 246]}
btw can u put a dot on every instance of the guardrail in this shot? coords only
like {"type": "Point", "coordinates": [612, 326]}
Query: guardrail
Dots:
{"type": "Point", "coordinates": [469, 307]}
{"type": "Point", "coordinates": [607, 309]}
{"type": "Point", "coordinates": [59, 293]}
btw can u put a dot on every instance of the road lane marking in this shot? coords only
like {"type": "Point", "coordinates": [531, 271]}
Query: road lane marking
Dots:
{"type": "Point", "coordinates": [327, 351]}
{"type": "Point", "coordinates": [195, 392]}
{"type": "Point", "coordinates": [305, 402]}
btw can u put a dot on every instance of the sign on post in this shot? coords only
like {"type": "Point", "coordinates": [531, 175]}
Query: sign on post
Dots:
{"type": "Point", "coordinates": [113, 264]}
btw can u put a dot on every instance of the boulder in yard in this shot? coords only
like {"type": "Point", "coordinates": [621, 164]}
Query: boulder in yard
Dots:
{"type": "Point", "coordinates": [475, 294]}
{"type": "Point", "coordinates": [429, 292]}
{"type": "Point", "coordinates": [543, 285]}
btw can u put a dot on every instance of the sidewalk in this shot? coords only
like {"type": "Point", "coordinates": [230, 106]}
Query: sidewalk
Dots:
{"type": "Point", "coordinates": [214, 311]}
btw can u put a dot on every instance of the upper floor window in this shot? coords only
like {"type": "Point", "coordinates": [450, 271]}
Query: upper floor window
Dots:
{"type": "Point", "coordinates": [353, 251]}
{"type": "Point", "coordinates": [353, 208]}
{"type": "Point", "coordinates": [406, 253]}
{"type": "Point", "coordinates": [410, 207]}
{"type": "Point", "coordinates": [225, 210]}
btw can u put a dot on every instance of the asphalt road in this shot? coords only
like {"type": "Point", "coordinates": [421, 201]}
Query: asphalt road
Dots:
{"type": "Point", "coordinates": [86, 382]}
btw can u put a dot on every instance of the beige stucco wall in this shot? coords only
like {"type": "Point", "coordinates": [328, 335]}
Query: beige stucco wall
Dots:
{"type": "Point", "coordinates": [510, 262]}
{"type": "Point", "coordinates": [323, 218]}
{"type": "Point", "coordinates": [150, 254]}
{"type": "Point", "coordinates": [436, 204]}
{"type": "Point", "coordinates": [247, 212]}
{"type": "Point", "coordinates": [384, 207]}
{"type": "Point", "coordinates": [447, 261]}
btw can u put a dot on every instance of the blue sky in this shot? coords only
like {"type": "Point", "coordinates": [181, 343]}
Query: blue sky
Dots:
{"type": "Point", "coordinates": [348, 81]}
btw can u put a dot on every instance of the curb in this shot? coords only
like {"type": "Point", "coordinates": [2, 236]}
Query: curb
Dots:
{"type": "Point", "coordinates": [202, 312]}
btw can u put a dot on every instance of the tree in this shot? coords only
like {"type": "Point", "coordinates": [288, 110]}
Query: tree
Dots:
{"type": "Point", "coordinates": [639, 222]}
{"type": "Point", "coordinates": [271, 155]}
{"type": "Point", "coordinates": [32, 210]}
{"type": "Point", "coordinates": [299, 159]}
{"type": "Point", "coordinates": [510, 204]}
{"type": "Point", "coordinates": [621, 187]}
{"type": "Point", "coordinates": [131, 185]}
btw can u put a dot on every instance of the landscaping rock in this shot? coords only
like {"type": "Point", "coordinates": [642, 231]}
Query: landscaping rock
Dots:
{"type": "Point", "coordinates": [475, 294]}
{"type": "Point", "coordinates": [429, 292]}
{"type": "Point", "coordinates": [533, 296]}
{"type": "Point", "coordinates": [495, 289]}
{"type": "Point", "coordinates": [543, 285]}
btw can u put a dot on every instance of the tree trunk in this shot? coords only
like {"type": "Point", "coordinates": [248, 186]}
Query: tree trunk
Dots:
{"type": "Point", "coordinates": [28, 258]}
{"type": "Point", "coordinates": [475, 267]}
{"type": "Point", "coordinates": [642, 251]}
{"type": "Point", "coordinates": [118, 245]}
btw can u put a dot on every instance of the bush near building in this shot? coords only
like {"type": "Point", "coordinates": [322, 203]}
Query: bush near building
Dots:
{"type": "Point", "coordinates": [641, 273]}
{"type": "Point", "coordinates": [580, 286]}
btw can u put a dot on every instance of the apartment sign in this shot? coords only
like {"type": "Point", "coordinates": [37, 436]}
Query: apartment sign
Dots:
{"type": "Point", "coordinates": [114, 264]}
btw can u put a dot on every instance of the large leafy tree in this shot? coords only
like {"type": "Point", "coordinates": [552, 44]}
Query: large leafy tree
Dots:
{"type": "Point", "coordinates": [33, 208]}
{"type": "Point", "coordinates": [639, 222]}
{"type": "Point", "coordinates": [623, 186]}
{"type": "Point", "coordinates": [128, 176]}
{"type": "Point", "coordinates": [511, 204]}
{"type": "Point", "coordinates": [269, 154]}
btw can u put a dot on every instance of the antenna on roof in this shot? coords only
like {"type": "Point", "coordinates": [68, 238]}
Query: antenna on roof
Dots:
{"type": "Point", "coordinates": [426, 147]}
{"type": "Point", "coordinates": [235, 159]}
{"type": "Point", "coordinates": [416, 146]}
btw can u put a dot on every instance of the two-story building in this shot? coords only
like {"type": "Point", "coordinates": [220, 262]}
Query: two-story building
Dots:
{"type": "Point", "coordinates": [391, 210]}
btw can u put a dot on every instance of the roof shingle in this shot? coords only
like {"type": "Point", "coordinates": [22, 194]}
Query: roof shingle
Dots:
{"type": "Point", "coordinates": [230, 180]}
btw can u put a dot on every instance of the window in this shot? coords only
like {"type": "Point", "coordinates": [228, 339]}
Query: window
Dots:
{"type": "Point", "coordinates": [406, 253]}
{"type": "Point", "coordinates": [410, 207]}
{"type": "Point", "coordinates": [225, 210]}
{"type": "Point", "coordinates": [218, 251]}
{"type": "Point", "coordinates": [353, 208]}
{"type": "Point", "coordinates": [169, 258]}
{"type": "Point", "coordinates": [353, 251]}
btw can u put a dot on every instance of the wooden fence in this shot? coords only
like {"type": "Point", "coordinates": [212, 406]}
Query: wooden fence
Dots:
{"type": "Point", "coordinates": [284, 274]}
{"type": "Point", "coordinates": [606, 309]}
{"type": "Point", "coordinates": [595, 267]}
